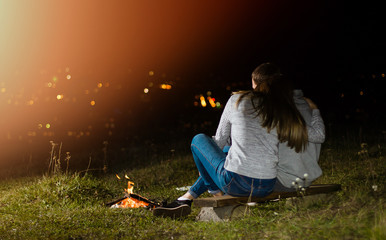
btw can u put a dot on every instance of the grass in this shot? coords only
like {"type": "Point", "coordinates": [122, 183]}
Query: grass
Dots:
{"type": "Point", "coordinates": [71, 206]}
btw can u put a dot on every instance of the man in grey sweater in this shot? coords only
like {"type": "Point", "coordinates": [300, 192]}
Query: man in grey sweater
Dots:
{"type": "Point", "coordinates": [297, 170]}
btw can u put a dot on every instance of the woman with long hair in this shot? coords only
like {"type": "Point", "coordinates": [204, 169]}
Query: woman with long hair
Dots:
{"type": "Point", "coordinates": [253, 124]}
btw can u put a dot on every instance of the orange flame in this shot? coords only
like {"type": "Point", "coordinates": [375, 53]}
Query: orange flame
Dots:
{"type": "Point", "coordinates": [130, 187]}
{"type": "Point", "coordinates": [130, 202]}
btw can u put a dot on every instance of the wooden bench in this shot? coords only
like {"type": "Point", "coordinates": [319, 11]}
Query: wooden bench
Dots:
{"type": "Point", "coordinates": [225, 208]}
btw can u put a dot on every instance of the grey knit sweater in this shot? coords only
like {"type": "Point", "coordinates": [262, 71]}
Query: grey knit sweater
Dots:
{"type": "Point", "coordinates": [254, 151]}
{"type": "Point", "coordinates": [293, 166]}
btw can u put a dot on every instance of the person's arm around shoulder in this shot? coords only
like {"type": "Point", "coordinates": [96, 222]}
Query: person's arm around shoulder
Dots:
{"type": "Point", "coordinates": [316, 129]}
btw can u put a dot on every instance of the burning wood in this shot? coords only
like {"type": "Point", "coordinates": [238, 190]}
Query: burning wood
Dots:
{"type": "Point", "coordinates": [132, 200]}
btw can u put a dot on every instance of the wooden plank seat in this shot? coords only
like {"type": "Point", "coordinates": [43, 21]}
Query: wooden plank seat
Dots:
{"type": "Point", "coordinates": [225, 207]}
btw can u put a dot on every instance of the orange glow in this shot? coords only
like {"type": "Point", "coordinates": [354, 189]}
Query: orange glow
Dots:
{"type": "Point", "coordinates": [130, 187]}
{"type": "Point", "coordinates": [31, 134]}
{"type": "Point", "coordinates": [52, 49]}
{"type": "Point", "coordinates": [211, 102]}
{"type": "Point", "coordinates": [166, 86]}
{"type": "Point", "coordinates": [203, 102]}
{"type": "Point", "coordinates": [132, 203]}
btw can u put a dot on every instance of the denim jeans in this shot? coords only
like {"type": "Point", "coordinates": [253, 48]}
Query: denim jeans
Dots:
{"type": "Point", "coordinates": [210, 159]}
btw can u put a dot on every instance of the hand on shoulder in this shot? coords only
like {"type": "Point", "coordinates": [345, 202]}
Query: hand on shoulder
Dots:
{"type": "Point", "coordinates": [311, 103]}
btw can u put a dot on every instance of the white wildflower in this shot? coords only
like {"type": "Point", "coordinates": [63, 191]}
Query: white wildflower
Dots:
{"type": "Point", "coordinates": [297, 179]}
{"type": "Point", "coordinates": [375, 188]}
{"type": "Point", "coordinates": [306, 175]}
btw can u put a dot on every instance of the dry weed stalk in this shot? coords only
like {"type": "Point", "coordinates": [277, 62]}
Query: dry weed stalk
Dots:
{"type": "Point", "coordinates": [54, 166]}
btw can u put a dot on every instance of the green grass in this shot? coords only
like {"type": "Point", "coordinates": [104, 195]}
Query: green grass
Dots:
{"type": "Point", "coordinates": [72, 206]}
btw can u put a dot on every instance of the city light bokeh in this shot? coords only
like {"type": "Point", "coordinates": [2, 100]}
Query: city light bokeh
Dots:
{"type": "Point", "coordinates": [82, 71]}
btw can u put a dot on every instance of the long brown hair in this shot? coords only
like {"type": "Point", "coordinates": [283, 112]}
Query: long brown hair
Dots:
{"type": "Point", "coordinates": [276, 107]}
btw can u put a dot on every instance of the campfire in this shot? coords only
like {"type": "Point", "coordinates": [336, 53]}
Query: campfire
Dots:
{"type": "Point", "coordinates": [132, 200]}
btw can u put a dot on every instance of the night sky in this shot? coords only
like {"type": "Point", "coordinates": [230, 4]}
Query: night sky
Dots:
{"type": "Point", "coordinates": [76, 65]}
{"type": "Point", "coordinates": [109, 38]}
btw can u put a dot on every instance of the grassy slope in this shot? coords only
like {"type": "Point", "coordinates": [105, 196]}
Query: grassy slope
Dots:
{"type": "Point", "coordinates": [72, 207]}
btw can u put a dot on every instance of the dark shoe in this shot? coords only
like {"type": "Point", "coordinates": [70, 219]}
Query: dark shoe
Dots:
{"type": "Point", "coordinates": [176, 209]}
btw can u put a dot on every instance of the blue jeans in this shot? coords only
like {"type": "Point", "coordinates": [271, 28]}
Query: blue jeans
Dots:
{"type": "Point", "coordinates": [210, 159]}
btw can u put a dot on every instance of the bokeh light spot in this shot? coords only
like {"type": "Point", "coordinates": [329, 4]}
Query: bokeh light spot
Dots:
{"type": "Point", "coordinates": [151, 73]}
{"type": "Point", "coordinates": [59, 96]}
{"type": "Point", "coordinates": [166, 86]}
{"type": "Point", "coordinates": [203, 102]}
{"type": "Point", "coordinates": [48, 125]}
{"type": "Point", "coordinates": [146, 90]}
{"type": "Point", "coordinates": [92, 103]}
{"type": "Point", "coordinates": [68, 76]}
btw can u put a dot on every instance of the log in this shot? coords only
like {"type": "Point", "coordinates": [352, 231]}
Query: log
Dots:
{"type": "Point", "coordinates": [230, 200]}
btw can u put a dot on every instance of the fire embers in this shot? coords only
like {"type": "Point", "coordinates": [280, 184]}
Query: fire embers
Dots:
{"type": "Point", "coordinates": [132, 200]}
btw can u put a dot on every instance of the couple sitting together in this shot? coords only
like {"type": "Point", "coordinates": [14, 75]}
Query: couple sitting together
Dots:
{"type": "Point", "coordinates": [273, 135]}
